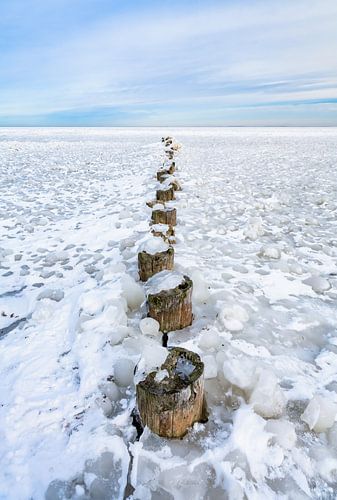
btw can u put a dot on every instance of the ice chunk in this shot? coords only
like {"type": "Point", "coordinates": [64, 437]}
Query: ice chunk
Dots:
{"type": "Point", "coordinates": [283, 431]}
{"type": "Point", "coordinates": [118, 334]}
{"type": "Point", "coordinates": [132, 291]}
{"type": "Point", "coordinates": [43, 311]}
{"type": "Point", "coordinates": [54, 257]}
{"type": "Point", "coordinates": [318, 284]}
{"type": "Point", "coordinates": [123, 372]}
{"type": "Point", "coordinates": [200, 289]}
{"type": "Point", "coordinates": [105, 404]}
{"type": "Point", "coordinates": [182, 484]}
{"type": "Point", "coordinates": [160, 375]}
{"type": "Point", "coordinates": [233, 317]}
{"type": "Point", "coordinates": [110, 390]}
{"type": "Point", "coordinates": [209, 340]}
{"type": "Point", "coordinates": [92, 302]}
{"type": "Point", "coordinates": [110, 471]}
{"type": "Point", "coordinates": [149, 326]}
{"type": "Point", "coordinates": [113, 317]}
{"type": "Point", "coordinates": [254, 229]}
{"type": "Point", "coordinates": [327, 468]}
{"type": "Point", "coordinates": [211, 367]}
{"type": "Point", "coordinates": [270, 252]}
{"type": "Point", "coordinates": [267, 398]}
{"type": "Point", "coordinates": [58, 490]}
{"type": "Point", "coordinates": [320, 413]}
{"type": "Point", "coordinates": [142, 493]}
{"type": "Point", "coordinates": [240, 372]}
{"type": "Point", "coordinates": [56, 295]}
{"type": "Point", "coordinates": [153, 356]}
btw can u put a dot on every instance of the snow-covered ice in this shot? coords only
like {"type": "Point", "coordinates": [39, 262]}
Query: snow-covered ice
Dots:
{"type": "Point", "coordinates": [257, 235]}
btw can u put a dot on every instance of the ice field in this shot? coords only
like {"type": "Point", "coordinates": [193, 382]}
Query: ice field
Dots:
{"type": "Point", "coordinates": [256, 232]}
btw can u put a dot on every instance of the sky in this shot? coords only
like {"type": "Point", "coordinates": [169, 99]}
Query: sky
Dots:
{"type": "Point", "coordinates": [168, 63]}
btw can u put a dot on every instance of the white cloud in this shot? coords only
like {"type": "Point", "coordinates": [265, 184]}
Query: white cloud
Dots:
{"type": "Point", "coordinates": [221, 54]}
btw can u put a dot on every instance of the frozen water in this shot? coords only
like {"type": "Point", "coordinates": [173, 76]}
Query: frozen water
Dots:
{"type": "Point", "coordinates": [267, 398]}
{"type": "Point", "coordinates": [283, 431]}
{"type": "Point", "coordinates": [209, 340]}
{"type": "Point", "coordinates": [200, 288]}
{"type": "Point", "coordinates": [256, 233]}
{"type": "Point", "coordinates": [184, 367]}
{"type": "Point", "coordinates": [149, 326]}
{"type": "Point", "coordinates": [133, 292]}
{"type": "Point", "coordinates": [211, 367]}
{"type": "Point", "coordinates": [123, 372]}
{"type": "Point", "coordinates": [320, 413]}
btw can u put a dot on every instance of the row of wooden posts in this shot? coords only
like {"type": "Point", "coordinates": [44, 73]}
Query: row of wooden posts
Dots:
{"type": "Point", "coordinates": [171, 399]}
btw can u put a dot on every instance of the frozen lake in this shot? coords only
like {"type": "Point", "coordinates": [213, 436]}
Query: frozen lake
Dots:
{"type": "Point", "coordinates": [257, 233]}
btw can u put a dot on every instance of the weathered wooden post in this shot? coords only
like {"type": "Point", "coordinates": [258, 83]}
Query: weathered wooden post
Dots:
{"type": "Point", "coordinates": [164, 216]}
{"type": "Point", "coordinates": [153, 263]}
{"type": "Point", "coordinates": [162, 175]}
{"type": "Point", "coordinates": [166, 171]}
{"type": "Point", "coordinates": [166, 194]}
{"type": "Point", "coordinates": [168, 141]}
{"type": "Point", "coordinates": [172, 399]}
{"type": "Point", "coordinates": [172, 168]}
{"type": "Point", "coordinates": [169, 301]}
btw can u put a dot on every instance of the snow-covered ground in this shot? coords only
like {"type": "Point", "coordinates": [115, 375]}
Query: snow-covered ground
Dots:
{"type": "Point", "coordinates": [257, 233]}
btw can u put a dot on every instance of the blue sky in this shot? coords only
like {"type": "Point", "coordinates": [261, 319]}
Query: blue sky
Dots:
{"type": "Point", "coordinates": [157, 62]}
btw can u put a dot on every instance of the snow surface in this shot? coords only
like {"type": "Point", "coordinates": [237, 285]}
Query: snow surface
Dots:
{"type": "Point", "coordinates": [256, 233]}
{"type": "Point", "coordinates": [165, 280]}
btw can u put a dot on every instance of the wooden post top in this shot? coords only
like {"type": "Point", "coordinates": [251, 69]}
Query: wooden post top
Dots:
{"type": "Point", "coordinates": [183, 368]}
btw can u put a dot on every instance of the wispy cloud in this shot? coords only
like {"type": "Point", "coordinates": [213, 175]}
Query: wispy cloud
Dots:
{"type": "Point", "coordinates": [153, 63]}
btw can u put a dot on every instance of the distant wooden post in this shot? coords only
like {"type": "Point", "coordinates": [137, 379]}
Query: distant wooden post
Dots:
{"type": "Point", "coordinates": [165, 194]}
{"type": "Point", "coordinates": [172, 399]}
{"type": "Point", "coordinates": [150, 264]}
{"type": "Point", "coordinates": [164, 216]}
{"type": "Point", "coordinates": [168, 141]}
{"type": "Point", "coordinates": [172, 308]}
{"type": "Point", "coordinates": [162, 175]}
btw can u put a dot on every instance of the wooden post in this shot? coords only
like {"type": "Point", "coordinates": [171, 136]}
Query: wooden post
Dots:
{"type": "Point", "coordinates": [168, 141]}
{"type": "Point", "coordinates": [172, 308]}
{"type": "Point", "coordinates": [150, 264]}
{"type": "Point", "coordinates": [165, 194]}
{"type": "Point", "coordinates": [172, 399]}
{"type": "Point", "coordinates": [164, 216]}
{"type": "Point", "coordinates": [162, 175]}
